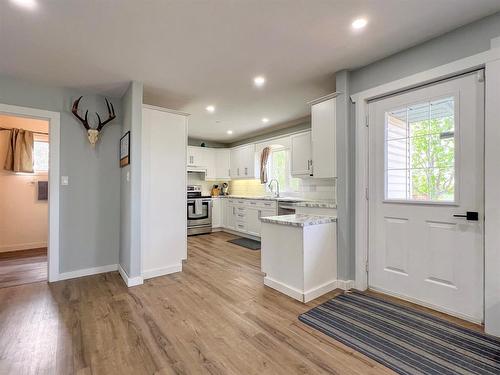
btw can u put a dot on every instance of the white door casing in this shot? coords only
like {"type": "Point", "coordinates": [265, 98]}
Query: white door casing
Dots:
{"type": "Point", "coordinates": [418, 250]}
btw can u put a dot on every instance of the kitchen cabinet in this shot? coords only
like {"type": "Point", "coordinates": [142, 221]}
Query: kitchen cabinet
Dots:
{"type": "Point", "coordinates": [216, 213]}
{"type": "Point", "coordinates": [195, 156]}
{"type": "Point", "coordinates": [301, 158]}
{"type": "Point", "coordinates": [243, 215]}
{"type": "Point", "coordinates": [243, 162]}
{"type": "Point", "coordinates": [222, 163]}
{"type": "Point", "coordinates": [323, 139]}
{"type": "Point", "coordinates": [163, 147]}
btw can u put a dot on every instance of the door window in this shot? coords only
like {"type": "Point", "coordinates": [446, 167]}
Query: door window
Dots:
{"type": "Point", "coordinates": [420, 152]}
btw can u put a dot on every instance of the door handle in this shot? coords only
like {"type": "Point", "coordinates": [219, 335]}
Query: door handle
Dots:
{"type": "Point", "coordinates": [469, 215]}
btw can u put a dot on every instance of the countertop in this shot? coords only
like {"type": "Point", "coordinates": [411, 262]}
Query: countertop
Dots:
{"type": "Point", "coordinates": [299, 220]}
{"type": "Point", "coordinates": [292, 201]}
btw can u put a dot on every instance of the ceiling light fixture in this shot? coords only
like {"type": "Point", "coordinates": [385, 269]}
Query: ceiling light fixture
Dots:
{"type": "Point", "coordinates": [265, 120]}
{"type": "Point", "coordinates": [259, 81]}
{"type": "Point", "coordinates": [229, 132]}
{"type": "Point", "coordinates": [28, 4]}
{"type": "Point", "coordinates": [210, 108]}
{"type": "Point", "coordinates": [359, 23]}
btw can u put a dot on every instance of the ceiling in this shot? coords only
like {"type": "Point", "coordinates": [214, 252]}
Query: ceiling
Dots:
{"type": "Point", "coordinates": [194, 53]}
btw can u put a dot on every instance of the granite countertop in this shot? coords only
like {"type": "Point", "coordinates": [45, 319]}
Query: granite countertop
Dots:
{"type": "Point", "coordinates": [299, 220]}
{"type": "Point", "coordinates": [315, 204]}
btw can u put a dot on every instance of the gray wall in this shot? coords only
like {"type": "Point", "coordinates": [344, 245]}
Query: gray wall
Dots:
{"type": "Point", "coordinates": [130, 227]}
{"type": "Point", "coordinates": [212, 144]}
{"type": "Point", "coordinates": [90, 204]}
{"type": "Point", "coordinates": [465, 41]}
{"type": "Point", "coordinates": [303, 125]}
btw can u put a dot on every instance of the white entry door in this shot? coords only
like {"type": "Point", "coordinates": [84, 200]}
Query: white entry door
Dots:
{"type": "Point", "coordinates": [426, 174]}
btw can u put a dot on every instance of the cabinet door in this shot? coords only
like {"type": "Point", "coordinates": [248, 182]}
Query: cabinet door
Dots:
{"type": "Point", "coordinates": [323, 139]}
{"type": "Point", "coordinates": [252, 221]}
{"type": "Point", "coordinates": [222, 164]}
{"type": "Point", "coordinates": [301, 155]}
{"type": "Point", "coordinates": [216, 213]}
{"type": "Point", "coordinates": [196, 156]}
{"type": "Point", "coordinates": [235, 158]}
{"type": "Point", "coordinates": [247, 161]}
{"type": "Point", "coordinates": [208, 161]}
{"type": "Point", "coordinates": [230, 216]}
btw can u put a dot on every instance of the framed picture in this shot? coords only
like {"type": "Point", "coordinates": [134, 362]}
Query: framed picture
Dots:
{"type": "Point", "coordinates": [125, 150]}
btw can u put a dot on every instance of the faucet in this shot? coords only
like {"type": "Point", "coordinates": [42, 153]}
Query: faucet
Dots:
{"type": "Point", "coordinates": [277, 195]}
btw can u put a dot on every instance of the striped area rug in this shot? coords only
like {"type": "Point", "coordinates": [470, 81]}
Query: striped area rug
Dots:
{"type": "Point", "coordinates": [403, 339]}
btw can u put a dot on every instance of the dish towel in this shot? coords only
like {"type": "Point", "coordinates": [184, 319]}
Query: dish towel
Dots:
{"type": "Point", "coordinates": [198, 207]}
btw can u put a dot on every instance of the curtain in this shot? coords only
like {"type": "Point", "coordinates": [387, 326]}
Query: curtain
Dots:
{"type": "Point", "coordinates": [20, 151]}
{"type": "Point", "coordinates": [264, 156]}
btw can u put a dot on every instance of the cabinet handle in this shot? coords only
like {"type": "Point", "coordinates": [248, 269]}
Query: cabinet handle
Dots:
{"type": "Point", "coordinates": [259, 214]}
{"type": "Point", "coordinates": [238, 171]}
{"type": "Point", "coordinates": [246, 171]}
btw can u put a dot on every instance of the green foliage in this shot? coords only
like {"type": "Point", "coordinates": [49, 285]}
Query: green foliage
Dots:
{"type": "Point", "coordinates": [432, 159]}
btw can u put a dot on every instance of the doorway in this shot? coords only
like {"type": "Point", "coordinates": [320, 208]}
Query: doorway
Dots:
{"type": "Point", "coordinates": [426, 196]}
{"type": "Point", "coordinates": [53, 120]}
{"type": "Point", "coordinates": [24, 223]}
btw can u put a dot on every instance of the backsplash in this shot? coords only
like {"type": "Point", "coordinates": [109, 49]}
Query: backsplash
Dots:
{"type": "Point", "coordinates": [198, 179]}
{"type": "Point", "coordinates": [314, 189]}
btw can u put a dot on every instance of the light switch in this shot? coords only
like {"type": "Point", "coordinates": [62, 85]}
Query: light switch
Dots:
{"type": "Point", "coordinates": [64, 180]}
{"type": "Point", "coordinates": [128, 176]}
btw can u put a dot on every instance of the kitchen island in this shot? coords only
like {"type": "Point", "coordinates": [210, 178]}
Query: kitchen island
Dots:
{"type": "Point", "coordinates": [299, 254]}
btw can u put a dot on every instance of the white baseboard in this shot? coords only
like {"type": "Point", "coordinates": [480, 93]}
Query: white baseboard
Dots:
{"type": "Point", "coordinates": [87, 272]}
{"type": "Point", "coordinates": [320, 290]}
{"type": "Point", "coordinates": [23, 246]}
{"type": "Point", "coordinates": [283, 288]}
{"type": "Point", "coordinates": [130, 281]}
{"type": "Point", "coordinates": [346, 284]}
{"type": "Point", "coordinates": [310, 294]}
{"type": "Point", "coordinates": [155, 272]}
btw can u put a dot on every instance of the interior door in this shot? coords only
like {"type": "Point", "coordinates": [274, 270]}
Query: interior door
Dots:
{"type": "Point", "coordinates": [426, 196]}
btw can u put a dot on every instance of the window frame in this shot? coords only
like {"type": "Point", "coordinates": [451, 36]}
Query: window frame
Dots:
{"type": "Point", "coordinates": [41, 139]}
{"type": "Point", "coordinates": [457, 147]}
{"type": "Point", "coordinates": [288, 165]}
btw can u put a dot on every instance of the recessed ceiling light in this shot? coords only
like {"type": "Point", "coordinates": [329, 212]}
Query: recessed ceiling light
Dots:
{"type": "Point", "coordinates": [259, 81]}
{"type": "Point", "coordinates": [28, 4]}
{"type": "Point", "coordinates": [359, 23]}
{"type": "Point", "coordinates": [265, 120]}
{"type": "Point", "coordinates": [210, 108]}
{"type": "Point", "coordinates": [229, 132]}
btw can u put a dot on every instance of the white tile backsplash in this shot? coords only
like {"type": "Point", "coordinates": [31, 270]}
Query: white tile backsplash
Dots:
{"type": "Point", "coordinates": [199, 179]}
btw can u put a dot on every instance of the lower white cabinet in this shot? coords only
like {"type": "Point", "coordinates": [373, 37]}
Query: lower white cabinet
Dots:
{"type": "Point", "coordinates": [243, 215]}
{"type": "Point", "coordinates": [216, 213]}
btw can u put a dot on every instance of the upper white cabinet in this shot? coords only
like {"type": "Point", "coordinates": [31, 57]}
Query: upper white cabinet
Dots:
{"type": "Point", "coordinates": [222, 163]}
{"type": "Point", "coordinates": [301, 162]}
{"type": "Point", "coordinates": [323, 139]}
{"type": "Point", "coordinates": [243, 163]}
{"type": "Point", "coordinates": [195, 156]}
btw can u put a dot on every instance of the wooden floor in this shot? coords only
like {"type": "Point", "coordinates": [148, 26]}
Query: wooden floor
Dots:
{"type": "Point", "coordinates": [23, 267]}
{"type": "Point", "coordinates": [216, 317]}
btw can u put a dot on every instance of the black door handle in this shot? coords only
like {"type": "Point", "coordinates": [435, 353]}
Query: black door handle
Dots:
{"type": "Point", "coordinates": [470, 215]}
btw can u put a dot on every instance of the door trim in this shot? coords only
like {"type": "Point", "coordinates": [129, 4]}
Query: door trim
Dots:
{"type": "Point", "coordinates": [54, 154]}
{"type": "Point", "coordinates": [478, 61]}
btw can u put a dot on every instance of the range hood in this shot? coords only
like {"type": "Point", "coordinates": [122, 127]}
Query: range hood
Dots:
{"type": "Point", "coordinates": [194, 169]}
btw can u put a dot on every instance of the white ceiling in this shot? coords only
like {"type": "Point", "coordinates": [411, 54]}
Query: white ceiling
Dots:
{"type": "Point", "coordinates": [190, 54]}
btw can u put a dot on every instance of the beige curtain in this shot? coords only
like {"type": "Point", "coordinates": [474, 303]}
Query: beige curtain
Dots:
{"type": "Point", "coordinates": [20, 151]}
{"type": "Point", "coordinates": [263, 164]}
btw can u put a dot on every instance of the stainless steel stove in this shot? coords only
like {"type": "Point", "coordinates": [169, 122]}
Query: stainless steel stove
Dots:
{"type": "Point", "coordinates": [199, 211]}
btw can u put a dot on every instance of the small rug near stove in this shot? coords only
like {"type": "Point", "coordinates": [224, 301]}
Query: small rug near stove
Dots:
{"type": "Point", "coordinates": [246, 242]}
{"type": "Point", "coordinates": [404, 339]}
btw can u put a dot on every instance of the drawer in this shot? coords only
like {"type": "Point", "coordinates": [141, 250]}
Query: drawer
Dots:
{"type": "Point", "coordinates": [240, 216]}
{"type": "Point", "coordinates": [241, 226]}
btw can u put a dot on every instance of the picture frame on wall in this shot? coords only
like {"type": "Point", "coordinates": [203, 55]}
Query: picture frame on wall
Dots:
{"type": "Point", "coordinates": [125, 150]}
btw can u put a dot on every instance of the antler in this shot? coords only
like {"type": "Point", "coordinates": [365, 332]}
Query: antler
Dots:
{"type": "Point", "coordinates": [111, 115]}
{"type": "Point", "coordinates": [84, 121]}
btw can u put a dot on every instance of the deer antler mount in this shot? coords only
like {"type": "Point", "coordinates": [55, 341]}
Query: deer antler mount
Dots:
{"type": "Point", "coordinates": [93, 133]}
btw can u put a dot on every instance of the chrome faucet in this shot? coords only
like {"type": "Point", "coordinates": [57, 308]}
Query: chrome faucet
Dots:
{"type": "Point", "coordinates": [277, 195]}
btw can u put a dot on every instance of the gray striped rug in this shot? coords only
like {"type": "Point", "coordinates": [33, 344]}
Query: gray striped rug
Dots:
{"type": "Point", "coordinates": [403, 339]}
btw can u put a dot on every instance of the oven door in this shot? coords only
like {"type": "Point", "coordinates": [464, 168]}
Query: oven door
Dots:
{"type": "Point", "coordinates": [199, 212]}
